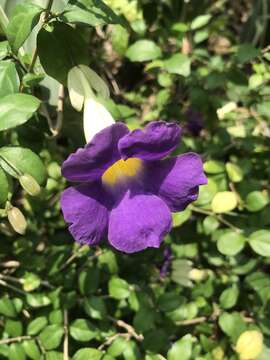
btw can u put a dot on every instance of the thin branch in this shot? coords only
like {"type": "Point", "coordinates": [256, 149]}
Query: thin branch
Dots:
{"type": "Point", "coordinates": [15, 339]}
{"type": "Point", "coordinates": [65, 345]}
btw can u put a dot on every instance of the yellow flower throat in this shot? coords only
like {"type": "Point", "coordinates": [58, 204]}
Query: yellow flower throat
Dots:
{"type": "Point", "coordinates": [122, 170]}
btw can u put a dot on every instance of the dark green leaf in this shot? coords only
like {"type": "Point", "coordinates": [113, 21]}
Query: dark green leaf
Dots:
{"type": "Point", "coordinates": [82, 330]}
{"type": "Point", "coordinates": [90, 12]}
{"type": "Point", "coordinates": [61, 47]}
{"type": "Point", "coordinates": [51, 336]}
{"type": "Point", "coordinates": [4, 187]}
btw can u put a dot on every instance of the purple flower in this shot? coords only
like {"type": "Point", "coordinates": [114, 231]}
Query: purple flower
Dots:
{"type": "Point", "coordinates": [167, 260]}
{"type": "Point", "coordinates": [127, 190]}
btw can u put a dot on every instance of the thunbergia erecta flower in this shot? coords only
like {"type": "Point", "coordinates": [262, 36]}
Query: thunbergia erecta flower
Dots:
{"type": "Point", "coordinates": [128, 187]}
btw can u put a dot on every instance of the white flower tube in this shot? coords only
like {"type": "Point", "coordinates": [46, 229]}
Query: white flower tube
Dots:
{"type": "Point", "coordinates": [95, 118]}
{"type": "Point", "coordinates": [81, 82]}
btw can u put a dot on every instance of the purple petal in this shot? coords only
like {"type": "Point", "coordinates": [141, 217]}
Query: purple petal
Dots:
{"type": "Point", "coordinates": [84, 208]}
{"type": "Point", "coordinates": [156, 141]}
{"type": "Point", "coordinates": [90, 162]}
{"type": "Point", "coordinates": [177, 180]}
{"type": "Point", "coordinates": [138, 222]}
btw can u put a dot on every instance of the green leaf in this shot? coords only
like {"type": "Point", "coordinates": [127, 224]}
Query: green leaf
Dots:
{"type": "Point", "coordinates": [16, 109]}
{"type": "Point", "coordinates": [4, 49]}
{"type": "Point", "coordinates": [181, 349]}
{"type": "Point", "coordinates": [143, 50]}
{"type": "Point", "coordinates": [16, 352]}
{"type": "Point", "coordinates": [4, 187]}
{"type": "Point", "coordinates": [37, 300]}
{"type": "Point", "coordinates": [210, 224]}
{"type": "Point", "coordinates": [54, 355]}
{"type": "Point", "coordinates": [24, 160]}
{"type": "Point", "coordinates": [246, 52]}
{"type": "Point", "coordinates": [118, 288]}
{"type": "Point", "coordinates": [9, 79]}
{"type": "Point", "coordinates": [180, 218]}
{"type": "Point", "coordinates": [61, 47]}
{"type": "Point", "coordinates": [13, 328]}
{"type": "Point", "coordinates": [119, 38]}
{"type": "Point", "coordinates": [82, 330]}
{"type": "Point", "coordinates": [260, 242]}
{"type": "Point", "coordinates": [30, 281]}
{"type": "Point", "coordinates": [230, 243]}
{"type": "Point", "coordinates": [7, 307]}
{"type": "Point", "coordinates": [51, 336]}
{"type": "Point", "coordinates": [234, 172]}
{"type": "Point", "coordinates": [200, 21]}
{"type": "Point", "coordinates": [24, 18]}
{"type": "Point", "coordinates": [213, 167]}
{"type": "Point", "coordinates": [31, 349]}
{"type": "Point", "coordinates": [260, 283]}
{"type": "Point", "coordinates": [117, 347]}
{"type": "Point", "coordinates": [178, 64]}
{"type": "Point", "coordinates": [229, 297]}
{"type": "Point", "coordinates": [256, 201]}
{"type": "Point", "coordinates": [95, 307]}
{"type": "Point", "coordinates": [91, 12]}
{"type": "Point", "coordinates": [224, 201]}
{"type": "Point", "coordinates": [87, 353]}
{"type": "Point", "coordinates": [89, 281]}
{"type": "Point", "coordinates": [232, 324]}
{"type": "Point", "coordinates": [36, 325]}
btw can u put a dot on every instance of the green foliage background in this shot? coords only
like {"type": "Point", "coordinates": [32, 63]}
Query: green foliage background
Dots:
{"type": "Point", "coordinates": [59, 300]}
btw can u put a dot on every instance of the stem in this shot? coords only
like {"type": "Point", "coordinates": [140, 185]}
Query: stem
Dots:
{"type": "Point", "coordinates": [15, 339]}
{"type": "Point", "coordinates": [218, 217]}
{"type": "Point", "coordinates": [65, 345]}
{"type": "Point", "coordinates": [46, 16]}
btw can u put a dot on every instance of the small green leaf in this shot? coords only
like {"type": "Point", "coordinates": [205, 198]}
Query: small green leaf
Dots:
{"type": "Point", "coordinates": [256, 201]}
{"type": "Point", "coordinates": [213, 167]}
{"type": "Point", "coordinates": [24, 18]}
{"type": "Point", "coordinates": [16, 352]}
{"type": "Point", "coordinates": [180, 218]}
{"type": "Point", "coordinates": [82, 330]}
{"type": "Point", "coordinates": [87, 353]}
{"type": "Point", "coordinates": [178, 64]}
{"type": "Point", "coordinates": [260, 242]}
{"type": "Point", "coordinates": [9, 79]}
{"type": "Point", "coordinates": [7, 307]}
{"type": "Point", "coordinates": [91, 12]}
{"type": "Point", "coordinates": [37, 300]}
{"type": "Point", "coordinates": [13, 327]}
{"type": "Point", "coordinates": [229, 297]}
{"type": "Point", "coordinates": [200, 21]}
{"type": "Point", "coordinates": [4, 187]}
{"type": "Point", "coordinates": [4, 49]}
{"type": "Point", "coordinates": [118, 288]}
{"type": "Point", "coordinates": [143, 50]}
{"type": "Point", "coordinates": [51, 336]}
{"type": "Point", "coordinates": [31, 349]}
{"type": "Point", "coordinates": [246, 52]}
{"type": "Point", "coordinates": [24, 160]}
{"type": "Point", "coordinates": [30, 281]}
{"type": "Point", "coordinates": [230, 243]}
{"type": "Point", "coordinates": [181, 349]}
{"type": "Point", "coordinates": [224, 201]}
{"type": "Point", "coordinates": [36, 325]}
{"type": "Point", "coordinates": [234, 172]}
{"type": "Point", "coordinates": [95, 307]}
{"type": "Point", "coordinates": [16, 109]}
{"type": "Point", "coordinates": [232, 324]}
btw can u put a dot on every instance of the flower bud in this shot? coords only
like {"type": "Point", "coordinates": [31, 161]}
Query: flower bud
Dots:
{"type": "Point", "coordinates": [17, 220]}
{"type": "Point", "coordinates": [197, 274]}
{"type": "Point", "coordinates": [249, 345]}
{"type": "Point", "coordinates": [29, 184]}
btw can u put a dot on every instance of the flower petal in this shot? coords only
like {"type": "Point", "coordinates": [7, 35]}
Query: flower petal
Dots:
{"type": "Point", "coordinates": [177, 180]}
{"type": "Point", "coordinates": [156, 141]}
{"type": "Point", "coordinates": [84, 209]}
{"type": "Point", "coordinates": [90, 162]}
{"type": "Point", "coordinates": [95, 118]}
{"type": "Point", "coordinates": [138, 222]}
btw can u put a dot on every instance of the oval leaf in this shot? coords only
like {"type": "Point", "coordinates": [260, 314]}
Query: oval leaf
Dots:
{"type": "Point", "coordinates": [16, 109]}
